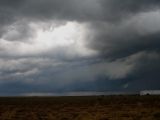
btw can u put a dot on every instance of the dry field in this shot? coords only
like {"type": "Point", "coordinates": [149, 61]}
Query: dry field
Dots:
{"type": "Point", "coordinates": [80, 108]}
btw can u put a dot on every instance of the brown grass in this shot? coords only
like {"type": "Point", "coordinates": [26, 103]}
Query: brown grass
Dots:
{"type": "Point", "coordinates": [81, 108]}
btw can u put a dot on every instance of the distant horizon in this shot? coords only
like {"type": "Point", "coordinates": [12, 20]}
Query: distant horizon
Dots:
{"type": "Point", "coordinates": [78, 93]}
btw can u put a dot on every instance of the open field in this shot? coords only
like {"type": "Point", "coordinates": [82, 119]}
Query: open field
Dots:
{"type": "Point", "coordinates": [80, 108]}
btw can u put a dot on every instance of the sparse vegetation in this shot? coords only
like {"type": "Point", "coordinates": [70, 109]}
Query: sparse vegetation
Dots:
{"type": "Point", "coordinates": [81, 108]}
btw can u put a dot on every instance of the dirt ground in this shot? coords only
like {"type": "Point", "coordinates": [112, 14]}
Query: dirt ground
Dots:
{"type": "Point", "coordinates": [80, 108]}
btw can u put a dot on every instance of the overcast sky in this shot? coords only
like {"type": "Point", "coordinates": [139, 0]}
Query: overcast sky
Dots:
{"type": "Point", "coordinates": [55, 46]}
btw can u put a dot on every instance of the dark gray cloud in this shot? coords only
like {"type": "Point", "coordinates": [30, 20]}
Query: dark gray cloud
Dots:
{"type": "Point", "coordinates": [123, 40]}
{"type": "Point", "coordinates": [92, 10]}
{"type": "Point", "coordinates": [115, 10]}
{"type": "Point", "coordinates": [114, 45]}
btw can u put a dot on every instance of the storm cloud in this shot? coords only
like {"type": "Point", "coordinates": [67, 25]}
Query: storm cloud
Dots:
{"type": "Point", "coordinates": [50, 46]}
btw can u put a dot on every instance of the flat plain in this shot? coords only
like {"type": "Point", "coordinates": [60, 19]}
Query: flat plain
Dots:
{"type": "Point", "coordinates": [133, 107]}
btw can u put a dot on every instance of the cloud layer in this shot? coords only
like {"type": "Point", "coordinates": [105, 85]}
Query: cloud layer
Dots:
{"type": "Point", "coordinates": [92, 45]}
